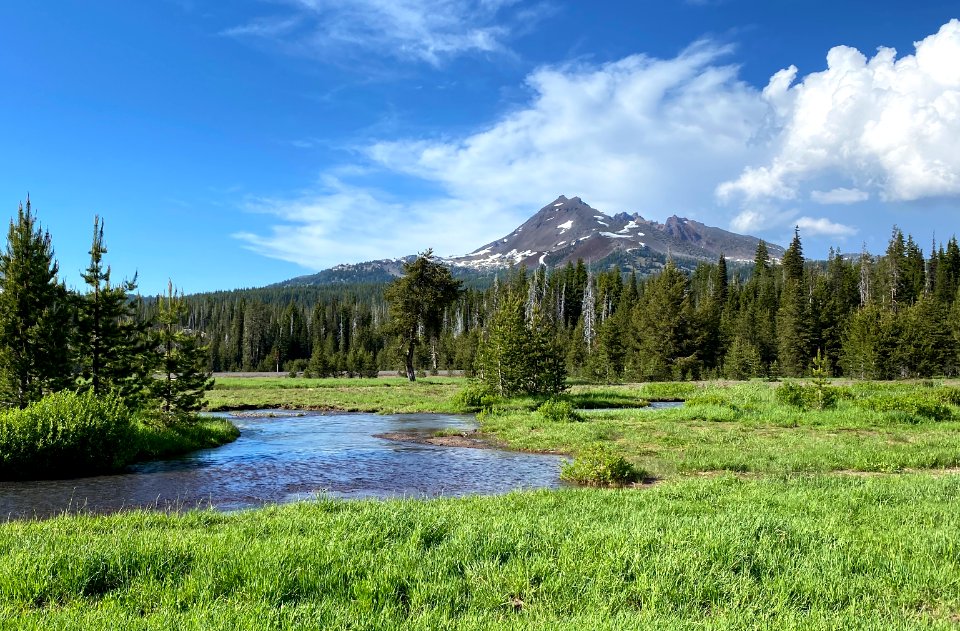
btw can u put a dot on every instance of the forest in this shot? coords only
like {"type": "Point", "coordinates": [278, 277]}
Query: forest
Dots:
{"type": "Point", "coordinates": [889, 316]}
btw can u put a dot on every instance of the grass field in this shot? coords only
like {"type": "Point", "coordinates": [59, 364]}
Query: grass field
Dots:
{"type": "Point", "coordinates": [743, 428]}
{"type": "Point", "coordinates": [765, 516]}
{"type": "Point", "coordinates": [385, 394]}
{"type": "Point", "coordinates": [808, 552]}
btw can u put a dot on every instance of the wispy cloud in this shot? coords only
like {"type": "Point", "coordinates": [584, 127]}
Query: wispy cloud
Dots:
{"type": "Point", "coordinates": [840, 196]}
{"type": "Point", "coordinates": [821, 226]}
{"type": "Point", "coordinates": [655, 136]}
{"type": "Point", "coordinates": [429, 31]}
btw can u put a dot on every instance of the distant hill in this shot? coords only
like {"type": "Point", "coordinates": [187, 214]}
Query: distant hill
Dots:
{"type": "Point", "coordinates": [568, 229]}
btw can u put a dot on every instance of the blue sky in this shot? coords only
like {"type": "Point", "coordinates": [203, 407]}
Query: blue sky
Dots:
{"type": "Point", "coordinates": [238, 144]}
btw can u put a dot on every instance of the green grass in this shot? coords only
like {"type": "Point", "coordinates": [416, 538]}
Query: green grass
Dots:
{"type": "Point", "coordinates": [728, 553]}
{"type": "Point", "coordinates": [385, 395]}
{"type": "Point", "coordinates": [742, 428]}
{"type": "Point", "coordinates": [155, 441]}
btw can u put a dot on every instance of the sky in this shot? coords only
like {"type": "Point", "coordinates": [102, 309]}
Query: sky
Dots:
{"type": "Point", "coordinates": [238, 144]}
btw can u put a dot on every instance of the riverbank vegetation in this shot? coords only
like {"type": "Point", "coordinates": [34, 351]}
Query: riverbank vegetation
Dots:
{"type": "Point", "coordinates": [807, 552]}
{"type": "Point", "coordinates": [90, 382]}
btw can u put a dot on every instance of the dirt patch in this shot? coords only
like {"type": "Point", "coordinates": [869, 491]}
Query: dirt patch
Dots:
{"type": "Point", "coordinates": [472, 439]}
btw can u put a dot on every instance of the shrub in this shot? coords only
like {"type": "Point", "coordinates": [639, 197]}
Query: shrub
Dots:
{"type": "Point", "coordinates": [558, 411]}
{"type": "Point", "coordinates": [475, 396]}
{"type": "Point", "coordinates": [66, 434]}
{"type": "Point", "coordinates": [790, 393]}
{"type": "Point", "coordinates": [598, 466]}
{"type": "Point", "coordinates": [816, 396]}
{"type": "Point", "coordinates": [909, 407]}
{"type": "Point", "coordinates": [948, 395]}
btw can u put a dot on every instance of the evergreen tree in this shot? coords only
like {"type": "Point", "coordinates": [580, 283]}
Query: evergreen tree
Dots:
{"type": "Point", "coordinates": [417, 302]}
{"type": "Point", "coordinates": [181, 361]}
{"type": "Point", "coordinates": [793, 259]}
{"type": "Point", "coordinates": [35, 315]}
{"type": "Point", "coordinates": [515, 357]}
{"type": "Point", "coordinates": [662, 328]}
{"type": "Point", "coordinates": [111, 342]}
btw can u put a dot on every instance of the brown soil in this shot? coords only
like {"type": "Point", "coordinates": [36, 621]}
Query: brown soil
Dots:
{"type": "Point", "coordinates": [472, 438]}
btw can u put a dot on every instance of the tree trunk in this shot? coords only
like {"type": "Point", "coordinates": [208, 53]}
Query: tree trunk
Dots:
{"type": "Point", "coordinates": [411, 374]}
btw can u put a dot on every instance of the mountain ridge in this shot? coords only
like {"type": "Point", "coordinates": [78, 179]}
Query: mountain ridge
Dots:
{"type": "Point", "coordinates": [566, 230]}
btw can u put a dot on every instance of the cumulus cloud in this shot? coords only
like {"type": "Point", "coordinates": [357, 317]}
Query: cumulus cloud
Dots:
{"type": "Point", "coordinates": [885, 124]}
{"type": "Point", "coordinates": [840, 196]}
{"type": "Point", "coordinates": [428, 31]}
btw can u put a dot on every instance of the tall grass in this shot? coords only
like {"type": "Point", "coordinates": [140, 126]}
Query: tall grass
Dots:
{"type": "Point", "coordinates": [724, 553]}
{"type": "Point", "coordinates": [66, 434]}
{"type": "Point", "coordinates": [69, 435]}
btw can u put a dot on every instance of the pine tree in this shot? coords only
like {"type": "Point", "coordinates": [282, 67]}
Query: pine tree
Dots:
{"type": "Point", "coordinates": [662, 322]}
{"type": "Point", "coordinates": [181, 361]}
{"type": "Point", "coordinates": [111, 340]}
{"type": "Point", "coordinates": [35, 315]}
{"type": "Point", "coordinates": [417, 302]}
{"type": "Point", "coordinates": [793, 259]}
{"type": "Point", "coordinates": [515, 357]}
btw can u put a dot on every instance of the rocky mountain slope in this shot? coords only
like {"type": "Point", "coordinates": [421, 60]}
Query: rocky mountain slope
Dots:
{"type": "Point", "coordinates": [570, 229]}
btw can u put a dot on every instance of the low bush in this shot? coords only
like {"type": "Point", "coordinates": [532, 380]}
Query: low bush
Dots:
{"type": "Point", "coordinates": [475, 396]}
{"type": "Point", "coordinates": [599, 466]}
{"type": "Point", "coordinates": [913, 407]}
{"type": "Point", "coordinates": [816, 396]}
{"type": "Point", "coordinates": [948, 395]}
{"type": "Point", "coordinates": [558, 411]}
{"type": "Point", "coordinates": [66, 434]}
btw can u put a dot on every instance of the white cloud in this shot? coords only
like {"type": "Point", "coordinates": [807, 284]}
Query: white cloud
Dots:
{"type": "Point", "coordinates": [752, 221]}
{"type": "Point", "coordinates": [428, 31]}
{"type": "Point", "coordinates": [822, 226]}
{"type": "Point", "coordinates": [840, 196]}
{"type": "Point", "coordinates": [639, 134]}
{"type": "Point", "coordinates": [339, 223]}
{"type": "Point", "coordinates": [655, 136]}
{"type": "Point", "coordinates": [642, 134]}
{"type": "Point", "coordinates": [886, 124]}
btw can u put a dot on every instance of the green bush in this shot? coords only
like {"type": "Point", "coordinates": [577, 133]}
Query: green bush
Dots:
{"type": "Point", "coordinates": [599, 466]}
{"type": "Point", "coordinates": [475, 396]}
{"type": "Point", "coordinates": [948, 395]}
{"type": "Point", "coordinates": [66, 434]}
{"type": "Point", "coordinates": [912, 407]}
{"type": "Point", "coordinates": [790, 393]}
{"type": "Point", "coordinates": [558, 411]}
{"type": "Point", "coordinates": [816, 396]}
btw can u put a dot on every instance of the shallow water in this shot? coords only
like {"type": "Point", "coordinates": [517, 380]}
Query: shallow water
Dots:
{"type": "Point", "coordinates": [290, 456]}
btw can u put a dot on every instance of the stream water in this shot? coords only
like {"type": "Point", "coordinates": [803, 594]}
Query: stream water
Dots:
{"type": "Point", "coordinates": [286, 456]}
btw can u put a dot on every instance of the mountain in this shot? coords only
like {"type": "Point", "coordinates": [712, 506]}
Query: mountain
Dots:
{"type": "Point", "coordinates": [569, 229]}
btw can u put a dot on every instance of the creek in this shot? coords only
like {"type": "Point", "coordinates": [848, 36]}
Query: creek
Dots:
{"type": "Point", "coordinates": [284, 456]}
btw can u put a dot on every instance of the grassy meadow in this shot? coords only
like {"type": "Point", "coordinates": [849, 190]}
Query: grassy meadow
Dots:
{"type": "Point", "coordinates": [823, 552]}
{"type": "Point", "coordinates": [384, 394]}
{"type": "Point", "coordinates": [763, 515]}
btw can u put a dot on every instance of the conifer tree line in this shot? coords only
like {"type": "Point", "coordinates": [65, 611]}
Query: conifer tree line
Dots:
{"type": "Point", "coordinates": [101, 339]}
{"type": "Point", "coordinates": [890, 316]}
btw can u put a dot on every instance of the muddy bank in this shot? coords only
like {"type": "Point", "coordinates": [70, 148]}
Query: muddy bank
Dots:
{"type": "Point", "coordinates": [470, 438]}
